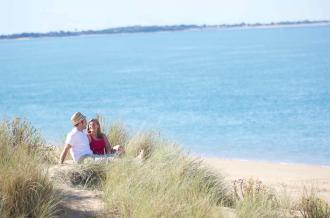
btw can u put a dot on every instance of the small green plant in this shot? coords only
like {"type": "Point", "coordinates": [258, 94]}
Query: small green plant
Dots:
{"type": "Point", "coordinates": [251, 189]}
{"type": "Point", "coordinates": [254, 199]}
{"type": "Point", "coordinates": [312, 206]}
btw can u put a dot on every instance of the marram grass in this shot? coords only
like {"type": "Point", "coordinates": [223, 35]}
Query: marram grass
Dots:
{"type": "Point", "coordinates": [25, 190]}
{"type": "Point", "coordinates": [165, 183]}
{"type": "Point", "coordinates": [168, 183]}
{"type": "Point", "coordinates": [162, 182]}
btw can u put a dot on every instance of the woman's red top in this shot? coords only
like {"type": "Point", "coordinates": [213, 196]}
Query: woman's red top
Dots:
{"type": "Point", "coordinates": [97, 145]}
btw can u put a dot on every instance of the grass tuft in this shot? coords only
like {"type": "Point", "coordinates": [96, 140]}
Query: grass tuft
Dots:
{"type": "Point", "coordinates": [142, 142]}
{"type": "Point", "coordinates": [90, 176]}
{"type": "Point", "coordinates": [24, 186]}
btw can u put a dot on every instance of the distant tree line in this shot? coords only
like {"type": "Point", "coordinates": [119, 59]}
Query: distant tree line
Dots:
{"type": "Point", "coordinates": [140, 29]}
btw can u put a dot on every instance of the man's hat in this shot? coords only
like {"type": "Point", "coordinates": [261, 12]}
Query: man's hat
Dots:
{"type": "Point", "coordinates": [77, 117]}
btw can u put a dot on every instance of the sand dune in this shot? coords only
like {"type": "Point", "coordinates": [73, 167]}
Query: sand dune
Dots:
{"type": "Point", "coordinates": [293, 177]}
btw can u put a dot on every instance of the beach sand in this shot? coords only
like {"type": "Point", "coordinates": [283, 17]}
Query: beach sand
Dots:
{"type": "Point", "coordinates": [290, 177]}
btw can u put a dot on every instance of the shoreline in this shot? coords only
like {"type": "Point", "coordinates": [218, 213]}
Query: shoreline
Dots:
{"type": "Point", "coordinates": [173, 28]}
{"type": "Point", "coordinates": [269, 161]}
{"type": "Point", "coordinates": [291, 178]}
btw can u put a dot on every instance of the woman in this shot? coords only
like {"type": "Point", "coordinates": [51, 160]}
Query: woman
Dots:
{"type": "Point", "coordinates": [99, 142]}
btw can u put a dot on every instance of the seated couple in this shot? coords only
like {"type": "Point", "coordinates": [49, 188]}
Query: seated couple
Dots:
{"type": "Point", "coordinates": [94, 144]}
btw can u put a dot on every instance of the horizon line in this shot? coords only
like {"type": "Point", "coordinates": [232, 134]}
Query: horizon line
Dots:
{"type": "Point", "coordinates": [152, 28]}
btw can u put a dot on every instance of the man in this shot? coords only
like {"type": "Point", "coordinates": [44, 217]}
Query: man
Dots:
{"type": "Point", "coordinates": [77, 141]}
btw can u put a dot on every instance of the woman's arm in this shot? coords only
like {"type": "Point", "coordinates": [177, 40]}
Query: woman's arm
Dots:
{"type": "Point", "coordinates": [108, 146]}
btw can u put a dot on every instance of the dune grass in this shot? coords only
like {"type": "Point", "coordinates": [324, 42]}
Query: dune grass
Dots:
{"type": "Point", "coordinates": [117, 134]}
{"type": "Point", "coordinates": [163, 182]}
{"type": "Point", "coordinates": [159, 187]}
{"type": "Point", "coordinates": [25, 190]}
{"type": "Point", "coordinates": [168, 183]}
{"type": "Point", "coordinates": [86, 176]}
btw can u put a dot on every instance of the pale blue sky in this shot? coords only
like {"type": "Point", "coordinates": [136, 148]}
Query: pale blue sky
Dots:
{"type": "Point", "coordinates": [51, 15]}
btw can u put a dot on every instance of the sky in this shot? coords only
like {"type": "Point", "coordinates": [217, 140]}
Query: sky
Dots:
{"type": "Point", "coordinates": [17, 16]}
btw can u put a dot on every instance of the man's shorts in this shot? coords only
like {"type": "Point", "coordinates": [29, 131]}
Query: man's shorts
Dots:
{"type": "Point", "coordinates": [97, 158]}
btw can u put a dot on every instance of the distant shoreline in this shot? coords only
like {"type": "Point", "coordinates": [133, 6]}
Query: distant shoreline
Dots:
{"type": "Point", "coordinates": [167, 28]}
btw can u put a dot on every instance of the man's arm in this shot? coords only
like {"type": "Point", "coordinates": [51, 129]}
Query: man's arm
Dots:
{"type": "Point", "coordinates": [64, 153]}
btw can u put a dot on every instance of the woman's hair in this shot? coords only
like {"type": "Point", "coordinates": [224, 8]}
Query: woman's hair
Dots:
{"type": "Point", "coordinates": [99, 134]}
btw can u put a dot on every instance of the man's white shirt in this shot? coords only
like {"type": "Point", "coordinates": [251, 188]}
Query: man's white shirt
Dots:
{"type": "Point", "coordinates": [79, 144]}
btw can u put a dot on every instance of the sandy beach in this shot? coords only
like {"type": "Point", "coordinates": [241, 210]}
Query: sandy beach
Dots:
{"type": "Point", "coordinates": [292, 177]}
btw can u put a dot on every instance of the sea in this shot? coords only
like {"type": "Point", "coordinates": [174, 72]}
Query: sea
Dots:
{"type": "Point", "coordinates": [252, 94]}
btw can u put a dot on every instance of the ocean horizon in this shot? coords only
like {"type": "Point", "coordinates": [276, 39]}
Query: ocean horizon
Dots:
{"type": "Point", "coordinates": [253, 94]}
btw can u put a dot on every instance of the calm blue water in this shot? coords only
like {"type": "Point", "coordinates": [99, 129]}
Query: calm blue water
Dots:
{"type": "Point", "coordinates": [251, 94]}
